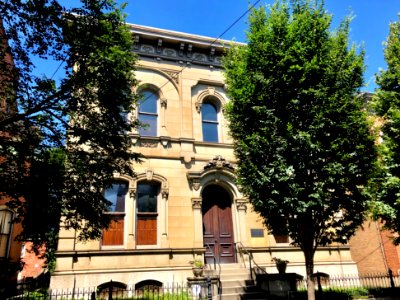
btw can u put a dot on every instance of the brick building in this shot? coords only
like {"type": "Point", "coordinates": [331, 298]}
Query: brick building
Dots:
{"type": "Point", "coordinates": [14, 267]}
{"type": "Point", "coordinates": [373, 251]}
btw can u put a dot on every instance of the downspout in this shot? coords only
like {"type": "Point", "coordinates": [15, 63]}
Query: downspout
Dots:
{"type": "Point", "coordinates": [381, 246]}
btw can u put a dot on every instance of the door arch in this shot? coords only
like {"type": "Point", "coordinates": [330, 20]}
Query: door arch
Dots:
{"type": "Point", "coordinates": [218, 235]}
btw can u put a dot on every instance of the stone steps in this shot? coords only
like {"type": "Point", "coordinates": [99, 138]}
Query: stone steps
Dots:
{"type": "Point", "coordinates": [237, 284]}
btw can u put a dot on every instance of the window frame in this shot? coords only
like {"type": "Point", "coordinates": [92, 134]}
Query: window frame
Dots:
{"type": "Point", "coordinates": [143, 215]}
{"type": "Point", "coordinates": [216, 106]}
{"type": "Point", "coordinates": [8, 235]}
{"type": "Point", "coordinates": [116, 216]}
{"type": "Point", "coordinates": [156, 114]}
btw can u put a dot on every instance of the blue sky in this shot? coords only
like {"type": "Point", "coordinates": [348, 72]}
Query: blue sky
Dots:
{"type": "Point", "coordinates": [369, 27]}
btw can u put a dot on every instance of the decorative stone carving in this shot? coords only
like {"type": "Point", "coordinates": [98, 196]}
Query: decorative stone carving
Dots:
{"type": "Point", "coordinates": [241, 204]}
{"type": "Point", "coordinates": [132, 193]}
{"type": "Point", "coordinates": [196, 184]}
{"type": "Point", "coordinates": [165, 140]}
{"type": "Point", "coordinates": [149, 144]}
{"type": "Point", "coordinates": [196, 203]}
{"type": "Point", "coordinates": [189, 50]}
{"type": "Point", "coordinates": [173, 75]}
{"type": "Point", "coordinates": [136, 42]}
{"type": "Point", "coordinates": [149, 175]}
{"type": "Point", "coordinates": [198, 107]}
{"type": "Point", "coordinates": [219, 162]}
{"type": "Point", "coordinates": [147, 49]}
{"type": "Point", "coordinates": [209, 92]}
{"type": "Point", "coordinates": [194, 180]}
{"type": "Point", "coordinates": [164, 184]}
{"type": "Point", "coordinates": [165, 193]}
{"type": "Point", "coordinates": [199, 57]}
{"type": "Point", "coordinates": [181, 48]}
{"type": "Point", "coordinates": [159, 44]}
{"type": "Point", "coordinates": [212, 53]}
{"type": "Point", "coordinates": [163, 102]}
{"type": "Point", "coordinates": [169, 52]}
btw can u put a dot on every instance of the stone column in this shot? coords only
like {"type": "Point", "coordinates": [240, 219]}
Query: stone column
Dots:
{"type": "Point", "coordinates": [241, 206]}
{"type": "Point", "coordinates": [164, 223]}
{"type": "Point", "coordinates": [198, 222]}
{"type": "Point", "coordinates": [131, 220]}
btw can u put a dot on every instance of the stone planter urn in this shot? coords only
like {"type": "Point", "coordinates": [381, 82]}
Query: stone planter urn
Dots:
{"type": "Point", "coordinates": [197, 268]}
{"type": "Point", "coordinates": [197, 271]}
{"type": "Point", "coordinates": [280, 264]}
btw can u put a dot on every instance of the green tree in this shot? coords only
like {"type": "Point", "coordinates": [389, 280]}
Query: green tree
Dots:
{"type": "Point", "coordinates": [62, 140]}
{"type": "Point", "coordinates": [387, 106]}
{"type": "Point", "coordinates": [301, 137]}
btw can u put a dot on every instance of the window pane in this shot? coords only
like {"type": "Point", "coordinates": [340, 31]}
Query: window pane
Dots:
{"type": "Point", "coordinates": [210, 132]}
{"type": "Point", "coordinates": [116, 195]}
{"type": "Point", "coordinates": [148, 102]}
{"type": "Point", "coordinates": [209, 112]}
{"type": "Point", "coordinates": [5, 221]}
{"type": "Point", "coordinates": [147, 197]}
{"type": "Point", "coordinates": [151, 121]}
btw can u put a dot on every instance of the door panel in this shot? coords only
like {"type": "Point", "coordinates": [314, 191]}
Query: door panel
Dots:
{"type": "Point", "coordinates": [217, 225]}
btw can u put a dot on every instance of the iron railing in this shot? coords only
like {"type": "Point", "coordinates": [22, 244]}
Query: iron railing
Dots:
{"type": "Point", "coordinates": [368, 281]}
{"type": "Point", "coordinates": [185, 291]}
{"type": "Point", "coordinates": [257, 269]}
{"type": "Point", "coordinates": [218, 273]}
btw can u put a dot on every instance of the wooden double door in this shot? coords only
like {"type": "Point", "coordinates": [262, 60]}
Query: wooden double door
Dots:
{"type": "Point", "coordinates": [217, 225]}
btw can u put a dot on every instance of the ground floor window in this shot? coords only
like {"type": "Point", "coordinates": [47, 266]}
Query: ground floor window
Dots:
{"type": "Point", "coordinates": [138, 210]}
{"type": "Point", "coordinates": [5, 231]}
{"type": "Point", "coordinates": [147, 212]}
{"type": "Point", "coordinates": [116, 195]}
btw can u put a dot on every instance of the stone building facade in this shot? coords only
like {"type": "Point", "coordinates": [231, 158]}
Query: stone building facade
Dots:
{"type": "Point", "coordinates": [183, 203]}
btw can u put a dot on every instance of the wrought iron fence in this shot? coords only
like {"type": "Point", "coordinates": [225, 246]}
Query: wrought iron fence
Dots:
{"type": "Point", "coordinates": [199, 289]}
{"type": "Point", "coordinates": [112, 291]}
{"type": "Point", "coordinates": [368, 281]}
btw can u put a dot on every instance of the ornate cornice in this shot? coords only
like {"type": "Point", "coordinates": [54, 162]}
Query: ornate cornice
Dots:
{"type": "Point", "coordinates": [219, 162]}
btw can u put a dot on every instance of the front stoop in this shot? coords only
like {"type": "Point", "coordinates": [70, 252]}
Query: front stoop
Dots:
{"type": "Point", "coordinates": [237, 284]}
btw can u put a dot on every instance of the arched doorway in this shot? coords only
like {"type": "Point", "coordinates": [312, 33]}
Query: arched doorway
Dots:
{"type": "Point", "coordinates": [217, 225]}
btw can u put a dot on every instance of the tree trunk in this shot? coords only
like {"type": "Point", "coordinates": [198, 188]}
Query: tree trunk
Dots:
{"type": "Point", "coordinates": [309, 258]}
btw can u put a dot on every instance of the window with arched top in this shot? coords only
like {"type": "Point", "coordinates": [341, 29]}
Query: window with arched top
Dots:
{"type": "Point", "coordinates": [148, 112]}
{"type": "Point", "coordinates": [148, 193]}
{"type": "Point", "coordinates": [116, 194]}
{"type": "Point", "coordinates": [209, 118]}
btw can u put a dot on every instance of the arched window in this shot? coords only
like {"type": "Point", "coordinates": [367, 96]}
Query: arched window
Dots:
{"type": "Point", "coordinates": [209, 117]}
{"type": "Point", "coordinates": [148, 285]}
{"type": "Point", "coordinates": [147, 212]}
{"type": "Point", "coordinates": [5, 231]}
{"type": "Point", "coordinates": [116, 194]}
{"type": "Point", "coordinates": [118, 290]}
{"type": "Point", "coordinates": [148, 113]}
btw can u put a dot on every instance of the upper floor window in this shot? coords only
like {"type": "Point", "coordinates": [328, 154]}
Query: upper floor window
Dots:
{"type": "Point", "coordinates": [209, 117]}
{"type": "Point", "coordinates": [5, 231]}
{"type": "Point", "coordinates": [147, 212]}
{"type": "Point", "coordinates": [148, 113]}
{"type": "Point", "coordinates": [116, 194]}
